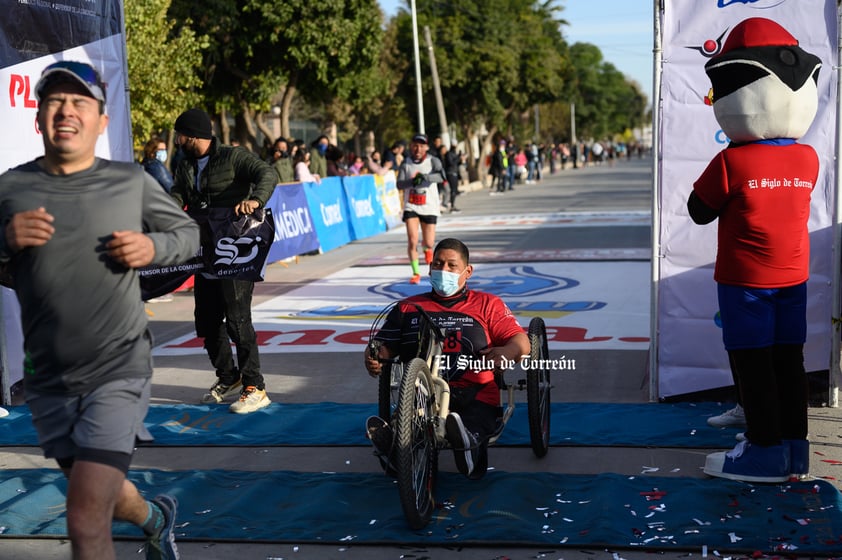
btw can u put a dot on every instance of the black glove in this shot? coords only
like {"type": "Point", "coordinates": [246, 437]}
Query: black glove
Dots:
{"type": "Point", "coordinates": [418, 180]}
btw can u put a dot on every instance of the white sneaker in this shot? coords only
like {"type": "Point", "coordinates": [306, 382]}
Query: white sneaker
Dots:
{"type": "Point", "coordinates": [734, 418]}
{"type": "Point", "coordinates": [251, 399]}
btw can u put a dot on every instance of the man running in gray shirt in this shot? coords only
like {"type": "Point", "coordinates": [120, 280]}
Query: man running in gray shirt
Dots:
{"type": "Point", "coordinates": [76, 228]}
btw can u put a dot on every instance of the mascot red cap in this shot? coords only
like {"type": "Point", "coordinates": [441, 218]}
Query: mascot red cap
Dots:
{"type": "Point", "coordinates": [764, 83]}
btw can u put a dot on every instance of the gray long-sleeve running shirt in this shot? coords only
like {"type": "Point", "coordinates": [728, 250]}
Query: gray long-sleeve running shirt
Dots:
{"type": "Point", "coordinates": [83, 319]}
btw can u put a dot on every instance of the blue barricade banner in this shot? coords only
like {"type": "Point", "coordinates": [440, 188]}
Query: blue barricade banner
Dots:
{"type": "Point", "coordinates": [295, 233]}
{"type": "Point", "coordinates": [329, 211]}
{"type": "Point", "coordinates": [364, 209]}
{"type": "Point", "coordinates": [390, 198]}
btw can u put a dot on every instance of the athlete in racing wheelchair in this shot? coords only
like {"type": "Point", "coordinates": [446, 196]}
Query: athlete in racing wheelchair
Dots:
{"type": "Point", "coordinates": [481, 336]}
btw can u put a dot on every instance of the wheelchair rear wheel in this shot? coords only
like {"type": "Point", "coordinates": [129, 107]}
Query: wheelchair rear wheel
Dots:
{"type": "Point", "coordinates": [415, 446]}
{"type": "Point", "coordinates": [538, 388]}
{"type": "Point", "coordinates": [388, 386]}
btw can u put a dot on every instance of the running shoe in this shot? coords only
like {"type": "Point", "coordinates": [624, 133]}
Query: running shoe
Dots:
{"type": "Point", "coordinates": [382, 437]}
{"type": "Point", "coordinates": [380, 434]}
{"type": "Point", "coordinates": [162, 546]}
{"type": "Point", "coordinates": [251, 399]}
{"type": "Point", "coordinates": [219, 391]}
{"type": "Point", "coordinates": [463, 442]}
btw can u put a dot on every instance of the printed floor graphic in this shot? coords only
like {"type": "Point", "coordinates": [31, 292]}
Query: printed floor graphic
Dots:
{"type": "Point", "coordinates": [585, 305]}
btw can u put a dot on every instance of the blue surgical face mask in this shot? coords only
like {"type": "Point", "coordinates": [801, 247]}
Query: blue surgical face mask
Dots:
{"type": "Point", "coordinates": [161, 155]}
{"type": "Point", "coordinates": [445, 283]}
{"type": "Point", "coordinates": [322, 149]}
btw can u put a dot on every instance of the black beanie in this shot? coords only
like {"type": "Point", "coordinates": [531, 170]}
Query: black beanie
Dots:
{"type": "Point", "coordinates": [194, 123]}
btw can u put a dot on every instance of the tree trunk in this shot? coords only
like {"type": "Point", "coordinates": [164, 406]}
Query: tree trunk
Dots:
{"type": "Point", "coordinates": [357, 144]}
{"type": "Point", "coordinates": [331, 131]}
{"type": "Point", "coordinates": [286, 103]}
{"type": "Point", "coordinates": [369, 143]}
{"type": "Point", "coordinates": [263, 127]}
{"type": "Point", "coordinates": [224, 129]}
{"type": "Point", "coordinates": [477, 166]}
{"type": "Point", "coordinates": [246, 133]}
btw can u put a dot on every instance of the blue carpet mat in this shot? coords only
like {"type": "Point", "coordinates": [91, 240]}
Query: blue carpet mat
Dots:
{"type": "Point", "coordinates": [340, 424]}
{"type": "Point", "coordinates": [542, 509]}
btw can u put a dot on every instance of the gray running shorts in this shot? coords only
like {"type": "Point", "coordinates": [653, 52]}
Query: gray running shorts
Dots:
{"type": "Point", "coordinates": [109, 418]}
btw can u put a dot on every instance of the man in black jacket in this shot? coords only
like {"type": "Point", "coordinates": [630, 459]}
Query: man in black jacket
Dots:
{"type": "Point", "coordinates": [500, 168]}
{"type": "Point", "coordinates": [211, 176]}
{"type": "Point", "coordinates": [452, 161]}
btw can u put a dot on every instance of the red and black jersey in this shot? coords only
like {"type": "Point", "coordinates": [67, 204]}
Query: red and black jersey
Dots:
{"type": "Point", "coordinates": [473, 321]}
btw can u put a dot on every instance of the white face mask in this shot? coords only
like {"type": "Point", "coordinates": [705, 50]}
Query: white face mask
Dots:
{"type": "Point", "coordinates": [161, 155]}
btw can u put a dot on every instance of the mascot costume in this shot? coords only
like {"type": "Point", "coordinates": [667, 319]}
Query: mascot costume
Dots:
{"type": "Point", "coordinates": [764, 96]}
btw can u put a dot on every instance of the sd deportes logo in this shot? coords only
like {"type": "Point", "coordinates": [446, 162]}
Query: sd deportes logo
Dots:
{"type": "Point", "coordinates": [230, 251]}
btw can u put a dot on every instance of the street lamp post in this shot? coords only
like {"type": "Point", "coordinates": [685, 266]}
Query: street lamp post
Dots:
{"type": "Point", "coordinates": [417, 68]}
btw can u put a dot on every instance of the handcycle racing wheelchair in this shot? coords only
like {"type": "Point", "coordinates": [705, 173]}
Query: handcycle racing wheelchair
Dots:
{"type": "Point", "coordinates": [415, 398]}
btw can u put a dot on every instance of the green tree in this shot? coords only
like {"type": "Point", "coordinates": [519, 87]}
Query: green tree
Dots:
{"type": "Point", "coordinates": [265, 52]}
{"type": "Point", "coordinates": [496, 59]}
{"type": "Point", "coordinates": [606, 101]}
{"type": "Point", "coordinates": [392, 118]}
{"type": "Point", "coordinates": [163, 67]}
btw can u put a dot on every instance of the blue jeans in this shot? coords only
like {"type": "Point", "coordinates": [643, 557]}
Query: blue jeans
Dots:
{"type": "Point", "coordinates": [222, 316]}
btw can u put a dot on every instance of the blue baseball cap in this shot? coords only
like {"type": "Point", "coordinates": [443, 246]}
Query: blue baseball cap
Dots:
{"type": "Point", "coordinates": [71, 71]}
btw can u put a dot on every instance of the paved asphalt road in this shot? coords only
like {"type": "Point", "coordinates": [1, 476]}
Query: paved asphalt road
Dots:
{"type": "Point", "coordinates": [622, 374]}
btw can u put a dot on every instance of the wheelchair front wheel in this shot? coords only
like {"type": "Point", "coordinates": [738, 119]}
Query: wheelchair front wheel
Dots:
{"type": "Point", "coordinates": [538, 388]}
{"type": "Point", "coordinates": [415, 446]}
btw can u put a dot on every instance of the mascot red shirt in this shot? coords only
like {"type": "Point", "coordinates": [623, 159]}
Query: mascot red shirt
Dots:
{"type": "Point", "coordinates": [762, 191]}
{"type": "Point", "coordinates": [764, 97]}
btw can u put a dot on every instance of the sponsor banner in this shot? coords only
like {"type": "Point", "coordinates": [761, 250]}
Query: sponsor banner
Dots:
{"type": "Point", "coordinates": [295, 233]}
{"type": "Point", "coordinates": [156, 281]}
{"type": "Point", "coordinates": [329, 211]}
{"type": "Point", "coordinates": [238, 244]}
{"type": "Point", "coordinates": [364, 209]}
{"type": "Point", "coordinates": [390, 199]}
{"type": "Point", "coordinates": [690, 137]}
{"type": "Point", "coordinates": [32, 29]}
{"type": "Point", "coordinates": [585, 305]}
{"type": "Point", "coordinates": [18, 112]}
